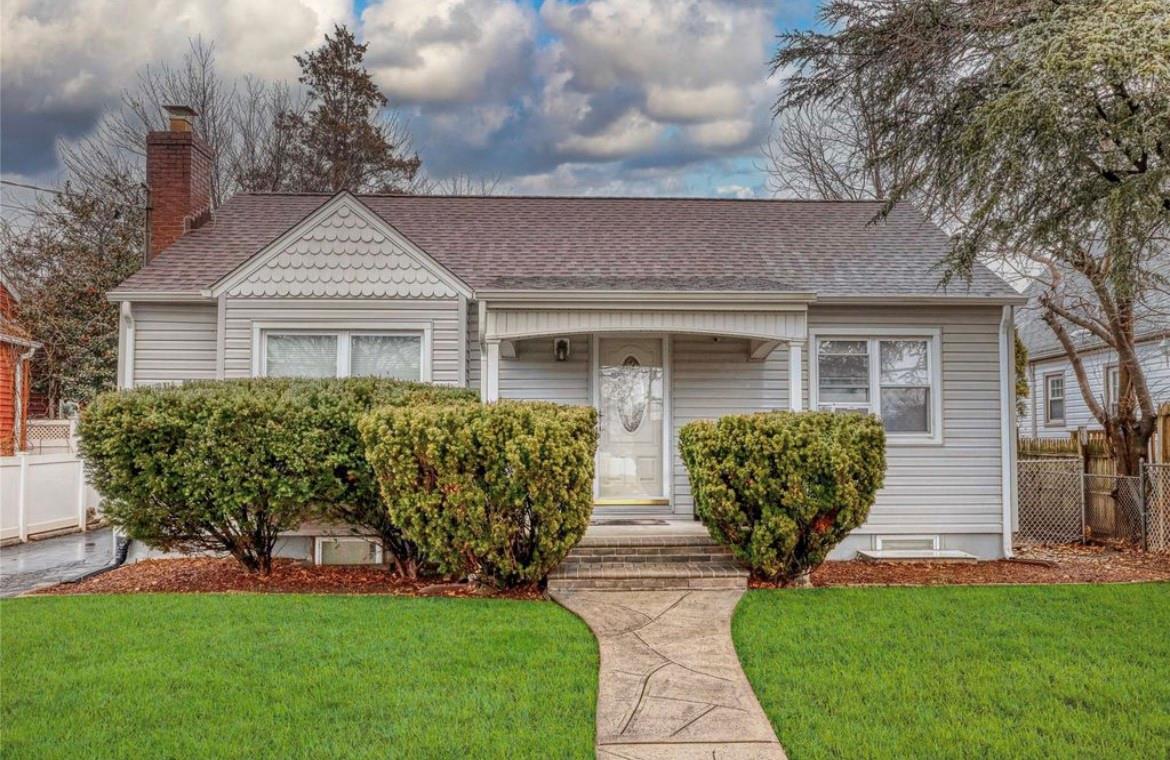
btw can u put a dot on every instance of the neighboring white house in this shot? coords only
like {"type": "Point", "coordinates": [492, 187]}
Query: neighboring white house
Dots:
{"type": "Point", "coordinates": [1056, 406]}
{"type": "Point", "coordinates": [656, 311]}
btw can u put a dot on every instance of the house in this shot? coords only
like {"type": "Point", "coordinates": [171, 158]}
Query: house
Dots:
{"type": "Point", "coordinates": [1056, 405]}
{"type": "Point", "coordinates": [656, 311]}
{"type": "Point", "coordinates": [16, 350]}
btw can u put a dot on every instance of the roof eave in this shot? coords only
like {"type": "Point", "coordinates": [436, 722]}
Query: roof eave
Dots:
{"type": "Point", "coordinates": [642, 296]}
{"type": "Point", "coordinates": [165, 296]}
{"type": "Point", "coordinates": [998, 299]}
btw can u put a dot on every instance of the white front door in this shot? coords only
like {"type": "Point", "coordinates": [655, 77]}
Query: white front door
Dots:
{"type": "Point", "coordinates": [630, 405]}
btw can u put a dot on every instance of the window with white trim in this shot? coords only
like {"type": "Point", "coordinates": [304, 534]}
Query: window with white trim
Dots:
{"type": "Point", "coordinates": [1054, 399]}
{"type": "Point", "coordinates": [892, 377]}
{"type": "Point", "coordinates": [313, 353]}
{"type": "Point", "coordinates": [1112, 387]}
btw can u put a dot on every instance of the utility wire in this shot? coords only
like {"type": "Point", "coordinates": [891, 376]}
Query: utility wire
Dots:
{"type": "Point", "coordinates": [62, 192]}
{"type": "Point", "coordinates": [31, 187]}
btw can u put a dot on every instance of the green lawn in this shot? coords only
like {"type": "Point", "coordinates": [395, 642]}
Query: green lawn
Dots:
{"type": "Point", "coordinates": [988, 672]}
{"type": "Point", "coordinates": [175, 676]}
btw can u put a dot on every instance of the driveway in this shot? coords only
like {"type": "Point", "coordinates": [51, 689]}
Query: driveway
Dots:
{"type": "Point", "coordinates": [24, 567]}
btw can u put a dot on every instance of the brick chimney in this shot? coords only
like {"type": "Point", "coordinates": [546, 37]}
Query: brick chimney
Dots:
{"type": "Point", "coordinates": [178, 172]}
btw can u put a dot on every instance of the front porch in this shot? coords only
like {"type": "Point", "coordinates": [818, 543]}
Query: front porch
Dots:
{"type": "Point", "coordinates": [649, 367]}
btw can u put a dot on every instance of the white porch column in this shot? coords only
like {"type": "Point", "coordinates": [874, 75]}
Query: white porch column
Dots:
{"type": "Point", "coordinates": [795, 391]}
{"type": "Point", "coordinates": [491, 380]}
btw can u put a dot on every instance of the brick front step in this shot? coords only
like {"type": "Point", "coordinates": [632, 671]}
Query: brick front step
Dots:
{"type": "Point", "coordinates": [646, 584]}
{"type": "Point", "coordinates": [637, 563]}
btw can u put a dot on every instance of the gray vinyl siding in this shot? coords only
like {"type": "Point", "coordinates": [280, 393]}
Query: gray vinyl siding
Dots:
{"type": "Point", "coordinates": [714, 377]}
{"type": "Point", "coordinates": [174, 342]}
{"type": "Point", "coordinates": [473, 369]}
{"type": "Point", "coordinates": [1076, 411]}
{"type": "Point", "coordinates": [955, 486]}
{"type": "Point", "coordinates": [345, 314]}
{"type": "Point", "coordinates": [536, 375]}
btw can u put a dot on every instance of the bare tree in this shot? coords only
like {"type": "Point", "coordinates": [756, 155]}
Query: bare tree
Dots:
{"type": "Point", "coordinates": [831, 151]}
{"type": "Point", "coordinates": [117, 147]}
{"type": "Point", "coordinates": [261, 156]}
{"type": "Point", "coordinates": [459, 184]}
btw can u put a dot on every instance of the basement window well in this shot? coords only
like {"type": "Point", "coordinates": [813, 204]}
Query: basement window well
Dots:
{"type": "Point", "coordinates": [346, 550]}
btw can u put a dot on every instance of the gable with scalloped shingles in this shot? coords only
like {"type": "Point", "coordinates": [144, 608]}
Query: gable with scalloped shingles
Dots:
{"type": "Point", "coordinates": [344, 255]}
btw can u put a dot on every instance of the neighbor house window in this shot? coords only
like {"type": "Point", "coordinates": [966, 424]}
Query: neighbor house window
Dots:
{"type": "Point", "coordinates": [892, 377]}
{"type": "Point", "coordinates": [343, 354]}
{"type": "Point", "coordinates": [1054, 399]}
{"type": "Point", "coordinates": [1112, 387]}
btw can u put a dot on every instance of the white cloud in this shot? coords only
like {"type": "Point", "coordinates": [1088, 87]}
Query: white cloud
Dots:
{"type": "Point", "coordinates": [99, 44]}
{"type": "Point", "coordinates": [624, 71]}
{"type": "Point", "coordinates": [63, 61]}
{"type": "Point", "coordinates": [612, 96]}
{"type": "Point", "coordinates": [447, 50]}
{"type": "Point", "coordinates": [680, 103]}
{"type": "Point", "coordinates": [736, 191]}
{"type": "Point", "coordinates": [721, 134]}
{"type": "Point", "coordinates": [628, 135]}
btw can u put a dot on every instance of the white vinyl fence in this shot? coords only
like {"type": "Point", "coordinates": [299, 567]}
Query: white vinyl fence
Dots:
{"type": "Point", "coordinates": [43, 492]}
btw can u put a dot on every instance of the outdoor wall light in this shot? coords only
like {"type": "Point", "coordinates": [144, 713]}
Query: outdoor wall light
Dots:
{"type": "Point", "coordinates": [561, 349]}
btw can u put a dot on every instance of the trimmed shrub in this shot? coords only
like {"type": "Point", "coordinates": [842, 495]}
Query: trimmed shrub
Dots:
{"type": "Point", "coordinates": [228, 465]}
{"type": "Point", "coordinates": [337, 405]}
{"type": "Point", "coordinates": [783, 488]}
{"type": "Point", "coordinates": [500, 491]}
{"type": "Point", "coordinates": [223, 466]}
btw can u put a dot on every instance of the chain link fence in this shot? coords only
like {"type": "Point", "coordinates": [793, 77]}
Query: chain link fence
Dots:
{"type": "Point", "coordinates": [1051, 499]}
{"type": "Point", "coordinates": [1157, 493]}
{"type": "Point", "coordinates": [1060, 503]}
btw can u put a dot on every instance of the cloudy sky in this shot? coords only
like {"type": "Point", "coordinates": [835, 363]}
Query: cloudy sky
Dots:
{"type": "Point", "coordinates": [620, 97]}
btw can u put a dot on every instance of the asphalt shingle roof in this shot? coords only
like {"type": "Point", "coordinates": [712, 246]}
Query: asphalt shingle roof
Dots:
{"type": "Point", "coordinates": [832, 248]}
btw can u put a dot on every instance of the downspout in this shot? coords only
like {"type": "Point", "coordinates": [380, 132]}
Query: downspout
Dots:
{"type": "Point", "coordinates": [18, 402]}
{"type": "Point", "coordinates": [1034, 394]}
{"type": "Point", "coordinates": [1007, 409]}
{"type": "Point", "coordinates": [128, 354]}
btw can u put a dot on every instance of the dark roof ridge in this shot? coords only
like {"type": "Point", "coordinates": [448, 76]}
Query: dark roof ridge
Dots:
{"type": "Point", "coordinates": [525, 196]}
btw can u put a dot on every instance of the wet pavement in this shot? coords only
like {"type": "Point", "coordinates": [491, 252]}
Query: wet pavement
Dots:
{"type": "Point", "coordinates": [24, 567]}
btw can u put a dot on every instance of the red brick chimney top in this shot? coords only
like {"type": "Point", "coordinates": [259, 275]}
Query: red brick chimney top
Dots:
{"type": "Point", "coordinates": [178, 172]}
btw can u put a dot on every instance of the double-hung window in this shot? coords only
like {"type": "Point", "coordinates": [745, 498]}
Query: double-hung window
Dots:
{"type": "Point", "coordinates": [333, 353]}
{"type": "Point", "coordinates": [1112, 388]}
{"type": "Point", "coordinates": [895, 377]}
{"type": "Point", "coordinates": [1054, 399]}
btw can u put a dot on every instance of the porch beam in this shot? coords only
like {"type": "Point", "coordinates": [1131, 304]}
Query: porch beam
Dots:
{"type": "Point", "coordinates": [795, 389]}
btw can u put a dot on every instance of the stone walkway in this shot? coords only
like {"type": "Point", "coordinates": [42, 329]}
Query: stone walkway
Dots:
{"type": "Point", "coordinates": [670, 684]}
{"type": "Point", "coordinates": [24, 567]}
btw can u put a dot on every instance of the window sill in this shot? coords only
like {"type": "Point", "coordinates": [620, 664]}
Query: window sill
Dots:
{"type": "Point", "coordinates": [913, 440]}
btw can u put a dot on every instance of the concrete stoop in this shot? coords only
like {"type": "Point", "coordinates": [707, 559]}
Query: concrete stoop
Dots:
{"type": "Point", "coordinates": [648, 563]}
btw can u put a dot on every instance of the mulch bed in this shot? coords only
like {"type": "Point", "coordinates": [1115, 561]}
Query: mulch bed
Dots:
{"type": "Point", "coordinates": [212, 575]}
{"type": "Point", "coordinates": [1040, 564]}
